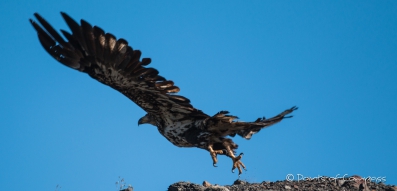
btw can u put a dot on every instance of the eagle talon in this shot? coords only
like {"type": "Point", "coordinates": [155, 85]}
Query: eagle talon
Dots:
{"type": "Point", "coordinates": [213, 154]}
{"type": "Point", "coordinates": [238, 164]}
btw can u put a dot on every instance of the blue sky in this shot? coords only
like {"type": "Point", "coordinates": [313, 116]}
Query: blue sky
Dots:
{"type": "Point", "coordinates": [336, 60]}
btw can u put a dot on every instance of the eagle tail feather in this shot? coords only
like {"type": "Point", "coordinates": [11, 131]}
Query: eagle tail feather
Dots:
{"type": "Point", "coordinates": [254, 127]}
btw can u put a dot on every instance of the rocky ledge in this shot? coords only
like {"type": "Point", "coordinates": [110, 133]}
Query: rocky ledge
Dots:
{"type": "Point", "coordinates": [321, 183]}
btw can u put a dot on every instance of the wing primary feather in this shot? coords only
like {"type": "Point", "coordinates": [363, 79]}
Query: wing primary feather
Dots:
{"type": "Point", "coordinates": [76, 30]}
{"type": "Point", "coordinates": [155, 79]}
{"type": "Point", "coordinates": [150, 72]}
{"type": "Point", "coordinates": [51, 31]}
{"type": "Point", "coordinates": [144, 73]}
{"type": "Point", "coordinates": [111, 54]}
{"type": "Point", "coordinates": [121, 50]}
{"type": "Point", "coordinates": [99, 42]}
{"type": "Point", "coordinates": [66, 52]}
{"type": "Point", "coordinates": [134, 63]}
{"type": "Point", "coordinates": [46, 41]}
{"type": "Point", "coordinates": [179, 98]}
{"type": "Point", "coordinates": [146, 61]}
{"type": "Point", "coordinates": [173, 89]}
{"type": "Point", "coordinates": [164, 84]}
{"type": "Point", "coordinates": [126, 60]}
{"type": "Point", "coordinates": [75, 45]}
{"type": "Point", "coordinates": [88, 36]}
{"type": "Point", "coordinates": [70, 62]}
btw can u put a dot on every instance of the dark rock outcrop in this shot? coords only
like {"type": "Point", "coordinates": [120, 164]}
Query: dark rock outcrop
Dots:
{"type": "Point", "coordinates": [321, 183]}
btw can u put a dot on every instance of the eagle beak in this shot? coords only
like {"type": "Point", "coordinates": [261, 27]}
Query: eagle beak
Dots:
{"type": "Point", "coordinates": [143, 120]}
{"type": "Point", "coordinates": [140, 121]}
{"type": "Point", "coordinates": [146, 120]}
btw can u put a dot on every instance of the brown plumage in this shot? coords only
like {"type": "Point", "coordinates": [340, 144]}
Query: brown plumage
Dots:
{"type": "Point", "coordinates": [113, 62]}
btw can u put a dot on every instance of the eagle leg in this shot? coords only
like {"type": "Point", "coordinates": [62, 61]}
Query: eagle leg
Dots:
{"type": "Point", "coordinates": [213, 154]}
{"type": "Point", "coordinates": [236, 160]}
{"type": "Point", "coordinates": [237, 163]}
{"type": "Point", "coordinates": [228, 152]}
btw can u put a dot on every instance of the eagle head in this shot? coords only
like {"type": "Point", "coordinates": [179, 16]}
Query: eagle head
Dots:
{"type": "Point", "coordinates": [147, 119]}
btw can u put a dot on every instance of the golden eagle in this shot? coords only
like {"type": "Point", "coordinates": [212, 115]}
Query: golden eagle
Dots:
{"type": "Point", "coordinates": [112, 62]}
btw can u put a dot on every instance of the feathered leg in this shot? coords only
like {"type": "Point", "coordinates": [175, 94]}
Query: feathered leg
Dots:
{"type": "Point", "coordinates": [213, 154]}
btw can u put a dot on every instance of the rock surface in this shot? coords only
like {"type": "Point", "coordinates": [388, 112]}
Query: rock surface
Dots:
{"type": "Point", "coordinates": [321, 183]}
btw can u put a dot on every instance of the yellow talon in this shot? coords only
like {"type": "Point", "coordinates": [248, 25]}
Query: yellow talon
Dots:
{"type": "Point", "coordinates": [213, 154]}
{"type": "Point", "coordinates": [238, 164]}
{"type": "Point", "coordinates": [236, 160]}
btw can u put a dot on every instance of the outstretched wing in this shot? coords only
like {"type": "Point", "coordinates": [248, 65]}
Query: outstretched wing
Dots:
{"type": "Point", "coordinates": [112, 62]}
{"type": "Point", "coordinates": [224, 124]}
